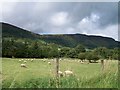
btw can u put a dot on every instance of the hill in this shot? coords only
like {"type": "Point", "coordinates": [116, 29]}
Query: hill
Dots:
{"type": "Point", "coordinates": [69, 40]}
{"type": "Point", "coordinates": [13, 31]}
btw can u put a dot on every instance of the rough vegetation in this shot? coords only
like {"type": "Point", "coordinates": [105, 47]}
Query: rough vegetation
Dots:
{"type": "Point", "coordinates": [40, 74]}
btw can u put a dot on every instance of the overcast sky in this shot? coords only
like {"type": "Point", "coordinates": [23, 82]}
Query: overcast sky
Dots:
{"type": "Point", "coordinates": [90, 18]}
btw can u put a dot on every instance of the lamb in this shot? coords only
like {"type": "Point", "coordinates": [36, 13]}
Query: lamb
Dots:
{"type": "Point", "coordinates": [23, 65]}
{"type": "Point", "coordinates": [60, 73]}
{"type": "Point", "coordinates": [49, 63]}
{"type": "Point", "coordinates": [68, 73]}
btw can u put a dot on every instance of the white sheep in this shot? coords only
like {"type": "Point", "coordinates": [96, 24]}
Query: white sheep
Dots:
{"type": "Point", "coordinates": [60, 73]}
{"type": "Point", "coordinates": [82, 62]}
{"type": "Point", "coordinates": [31, 60]}
{"type": "Point", "coordinates": [23, 65]}
{"type": "Point", "coordinates": [43, 60]}
{"type": "Point", "coordinates": [49, 63]}
{"type": "Point", "coordinates": [68, 73]}
{"type": "Point", "coordinates": [20, 60]}
{"type": "Point", "coordinates": [25, 61]}
{"type": "Point", "coordinates": [79, 61]}
{"type": "Point", "coordinates": [60, 59]}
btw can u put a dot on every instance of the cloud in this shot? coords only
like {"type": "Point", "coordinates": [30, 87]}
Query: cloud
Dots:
{"type": "Point", "coordinates": [59, 19]}
{"type": "Point", "coordinates": [90, 26]}
{"type": "Point", "coordinates": [89, 23]}
{"type": "Point", "coordinates": [63, 17]}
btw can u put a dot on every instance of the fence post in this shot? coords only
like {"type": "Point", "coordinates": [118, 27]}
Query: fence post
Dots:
{"type": "Point", "coordinates": [102, 65]}
{"type": "Point", "coordinates": [57, 69]}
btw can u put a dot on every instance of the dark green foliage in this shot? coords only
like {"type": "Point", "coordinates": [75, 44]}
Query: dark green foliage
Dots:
{"type": "Point", "coordinates": [64, 51]}
{"type": "Point", "coordinates": [82, 56]}
{"type": "Point", "coordinates": [36, 49]}
{"type": "Point", "coordinates": [72, 53]}
{"type": "Point", "coordinates": [13, 31]}
{"type": "Point", "coordinates": [80, 48]}
{"type": "Point", "coordinates": [67, 40]}
{"type": "Point", "coordinates": [91, 56]}
{"type": "Point", "coordinates": [102, 52]}
{"type": "Point", "coordinates": [20, 43]}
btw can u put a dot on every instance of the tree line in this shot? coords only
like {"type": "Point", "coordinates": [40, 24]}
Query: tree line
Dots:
{"type": "Point", "coordinates": [37, 49]}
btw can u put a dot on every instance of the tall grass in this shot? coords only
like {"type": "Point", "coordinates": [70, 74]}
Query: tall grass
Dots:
{"type": "Point", "coordinates": [104, 80]}
{"type": "Point", "coordinates": [38, 75]}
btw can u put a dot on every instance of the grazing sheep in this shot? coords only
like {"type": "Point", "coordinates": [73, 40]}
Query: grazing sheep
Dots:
{"type": "Point", "coordinates": [23, 65]}
{"type": "Point", "coordinates": [43, 60]}
{"type": "Point", "coordinates": [20, 60]}
{"type": "Point", "coordinates": [60, 59]}
{"type": "Point", "coordinates": [82, 62]}
{"type": "Point", "coordinates": [79, 61]}
{"type": "Point", "coordinates": [68, 73]}
{"type": "Point", "coordinates": [60, 73]}
{"type": "Point", "coordinates": [31, 60]}
{"type": "Point", "coordinates": [25, 61]}
{"type": "Point", "coordinates": [49, 63]}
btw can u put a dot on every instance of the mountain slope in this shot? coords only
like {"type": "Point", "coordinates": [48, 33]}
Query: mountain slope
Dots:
{"type": "Point", "coordinates": [13, 31]}
{"type": "Point", "coordinates": [72, 40]}
{"type": "Point", "coordinates": [69, 40]}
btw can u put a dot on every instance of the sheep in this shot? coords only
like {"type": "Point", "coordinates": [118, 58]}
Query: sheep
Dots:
{"type": "Point", "coordinates": [20, 60]}
{"type": "Point", "coordinates": [23, 65]}
{"type": "Point", "coordinates": [49, 63]}
{"type": "Point", "coordinates": [68, 73]}
{"type": "Point", "coordinates": [25, 61]}
{"type": "Point", "coordinates": [60, 73]}
{"type": "Point", "coordinates": [81, 62]}
{"type": "Point", "coordinates": [31, 60]}
{"type": "Point", "coordinates": [43, 60]}
{"type": "Point", "coordinates": [60, 59]}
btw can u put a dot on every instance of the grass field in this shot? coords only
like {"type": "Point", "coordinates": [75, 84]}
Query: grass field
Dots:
{"type": "Point", "coordinates": [40, 74]}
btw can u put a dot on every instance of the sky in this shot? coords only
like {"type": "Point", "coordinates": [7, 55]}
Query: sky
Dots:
{"type": "Point", "coordinates": [91, 18]}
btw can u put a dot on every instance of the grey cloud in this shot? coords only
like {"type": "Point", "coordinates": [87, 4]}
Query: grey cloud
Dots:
{"type": "Point", "coordinates": [35, 16]}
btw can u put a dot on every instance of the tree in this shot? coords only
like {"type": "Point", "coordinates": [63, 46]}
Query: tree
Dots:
{"type": "Point", "coordinates": [80, 48]}
{"type": "Point", "coordinates": [36, 50]}
{"type": "Point", "coordinates": [91, 56]}
{"type": "Point", "coordinates": [72, 53]}
{"type": "Point", "coordinates": [82, 56]}
{"type": "Point", "coordinates": [102, 52]}
{"type": "Point", "coordinates": [64, 51]}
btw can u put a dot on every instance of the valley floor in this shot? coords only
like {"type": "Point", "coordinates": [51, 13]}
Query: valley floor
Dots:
{"type": "Point", "coordinates": [39, 74]}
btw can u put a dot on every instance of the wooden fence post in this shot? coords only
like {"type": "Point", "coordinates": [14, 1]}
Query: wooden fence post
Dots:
{"type": "Point", "coordinates": [102, 65]}
{"type": "Point", "coordinates": [57, 69]}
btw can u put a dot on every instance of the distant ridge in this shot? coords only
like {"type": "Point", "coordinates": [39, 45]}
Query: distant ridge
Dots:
{"type": "Point", "coordinates": [69, 40]}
